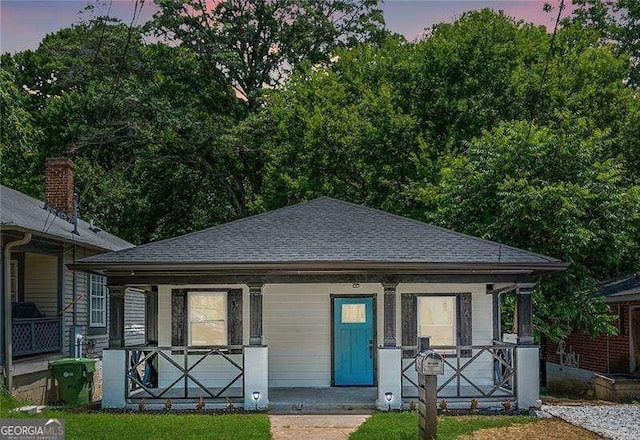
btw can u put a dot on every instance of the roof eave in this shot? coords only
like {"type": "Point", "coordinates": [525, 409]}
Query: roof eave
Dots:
{"type": "Point", "coordinates": [327, 266]}
{"type": "Point", "coordinates": [40, 234]}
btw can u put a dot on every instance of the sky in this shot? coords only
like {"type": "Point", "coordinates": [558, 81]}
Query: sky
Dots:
{"type": "Point", "coordinates": [23, 23]}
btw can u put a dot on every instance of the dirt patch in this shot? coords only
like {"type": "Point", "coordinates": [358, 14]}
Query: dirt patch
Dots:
{"type": "Point", "coordinates": [544, 429]}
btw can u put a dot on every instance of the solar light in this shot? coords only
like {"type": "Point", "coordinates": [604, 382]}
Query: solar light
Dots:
{"type": "Point", "coordinates": [389, 396]}
{"type": "Point", "coordinates": [256, 397]}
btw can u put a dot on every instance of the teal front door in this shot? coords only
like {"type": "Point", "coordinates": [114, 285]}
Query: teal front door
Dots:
{"type": "Point", "coordinates": [353, 341]}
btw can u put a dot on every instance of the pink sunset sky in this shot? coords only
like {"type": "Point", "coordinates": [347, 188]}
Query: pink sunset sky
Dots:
{"type": "Point", "coordinates": [23, 23]}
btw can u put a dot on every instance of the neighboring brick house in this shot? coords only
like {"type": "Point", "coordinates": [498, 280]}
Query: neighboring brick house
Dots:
{"type": "Point", "coordinates": [580, 356]}
{"type": "Point", "coordinates": [50, 311]}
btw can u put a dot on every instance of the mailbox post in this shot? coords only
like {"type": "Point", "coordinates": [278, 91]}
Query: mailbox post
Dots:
{"type": "Point", "coordinates": [429, 365]}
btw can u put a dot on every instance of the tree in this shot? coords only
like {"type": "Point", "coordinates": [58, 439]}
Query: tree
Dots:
{"type": "Point", "coordinates": [342, 129]}
{"type": "Point", "coordinates": [257, 44]}
{"type": "Point", "coordinates": [615, 20]}
{"type": "Point", "coordinates": [552, 191]}
{"type": "Point", "coordinates": [18, 137]}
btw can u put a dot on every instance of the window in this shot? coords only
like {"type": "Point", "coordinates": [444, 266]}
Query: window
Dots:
{"type": "Point", "coordinates": [207, 318]}
{"type": "Point", "coordinates": [97, 300]}
{"type": "Point", "coordinates": [353, 313]}
{"type": "Point", "coordinates": [437, 319]}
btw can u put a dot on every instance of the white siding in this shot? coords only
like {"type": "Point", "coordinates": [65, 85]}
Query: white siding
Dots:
{"type": "Point", "coordinates": [481, 370]}
{"type": "Point", "coordinates": [134, 317]}
{"type": "Point", "coordinates": [41, 282]}
{"type": "Point", "coordinates": [213, 371]}
{"type": "Point", "coordinates": [297, 329]}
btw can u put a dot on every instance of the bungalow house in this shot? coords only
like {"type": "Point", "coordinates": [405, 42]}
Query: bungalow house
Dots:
{"type": "Point", "coordinates": [49, 311]}
{"type": "Point", "coordinates": [610, 364]}
{"type": "Point", "coordinates": [312, 298]}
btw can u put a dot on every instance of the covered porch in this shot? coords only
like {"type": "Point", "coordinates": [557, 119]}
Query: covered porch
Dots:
{"type": "Point", "coordinates": [36, 283]}
{"type": "Point", "coordinates": [286, 358]}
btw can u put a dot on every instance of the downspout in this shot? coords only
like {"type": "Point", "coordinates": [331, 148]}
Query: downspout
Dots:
{"type": "Point", "coordinates": [8, 346]}
{"type": "Point", "coordinates": [74, 288]}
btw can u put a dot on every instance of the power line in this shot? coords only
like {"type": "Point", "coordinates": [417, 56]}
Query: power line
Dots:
{"type": "Point", "coordinates": [543, 78]}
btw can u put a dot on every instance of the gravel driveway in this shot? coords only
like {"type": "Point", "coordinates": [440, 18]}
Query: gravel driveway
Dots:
{"type": "Point", "coordinates": [619, 422]}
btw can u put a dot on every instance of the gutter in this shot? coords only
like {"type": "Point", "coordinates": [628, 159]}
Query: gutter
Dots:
{"type": "Point", "coordinates": [325, 267]}
{"type": "Point", "coordinates": [8, 344]}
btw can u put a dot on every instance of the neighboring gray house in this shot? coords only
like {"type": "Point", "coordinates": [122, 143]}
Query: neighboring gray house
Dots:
{"type": "Point", "coordinates": [301, 300]}
{"type": "Point", "coordinates": [48, 310]}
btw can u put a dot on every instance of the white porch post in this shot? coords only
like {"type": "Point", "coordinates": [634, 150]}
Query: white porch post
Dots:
{"type": "Point", "coordinates": [528, 376]}
{"type": "Point", "coordinates": [256, 377]}
{"type": "Point", "coordinates": [113, 378]}
{"type": "Point", "coordinates": [389, 377]}
{"type": "Point", "coordinates": [527, 353]}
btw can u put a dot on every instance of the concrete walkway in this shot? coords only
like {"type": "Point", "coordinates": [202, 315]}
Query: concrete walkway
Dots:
{"type": "Point", "coordinates": [315, 427]}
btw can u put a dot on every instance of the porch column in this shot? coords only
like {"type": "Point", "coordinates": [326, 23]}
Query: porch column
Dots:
{"type": "Point", "coordinates": [389, 314]}
{"type": "Point", "coordinates": [524, 304]}
{"type": "Point", "coordinates": [389, 378]}
{"type": "Point", "coordinates": [116, 316]}
{"type": "Point", "coordinates": [255, 314]}
{"type": "Point", "coordinates": [113, 382]}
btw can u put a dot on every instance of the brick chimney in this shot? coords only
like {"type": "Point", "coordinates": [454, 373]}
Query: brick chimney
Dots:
{"type": "Point", "coordinates": [58, 185]}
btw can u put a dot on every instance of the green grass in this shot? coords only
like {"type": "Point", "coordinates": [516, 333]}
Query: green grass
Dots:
{"type": "Point", "coordinates": [130, 426]}
{"type": "Point", "coordinates": [404, 425]}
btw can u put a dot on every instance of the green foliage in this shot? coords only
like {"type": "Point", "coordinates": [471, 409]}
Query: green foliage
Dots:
{"type": "Point", "coordinates": [243, 107]}
{"type": "Point", "coordinates": [404, 425]}
{"type": "Point", "coordinates": [258, 44]}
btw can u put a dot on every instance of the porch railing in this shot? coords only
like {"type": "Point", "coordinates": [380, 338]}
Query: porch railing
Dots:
{"type": "Point", "coordinates": [36, 335]}
{"type": "Point", "coordinates": [458, 381]}
{"type": "Point", "coordinates": [144, 372]}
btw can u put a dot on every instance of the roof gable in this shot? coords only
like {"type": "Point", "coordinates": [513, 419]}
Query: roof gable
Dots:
{"type": "Point", "coordinates": [27, 213]}
{"type": "Point", "coordinates": [323, 230]}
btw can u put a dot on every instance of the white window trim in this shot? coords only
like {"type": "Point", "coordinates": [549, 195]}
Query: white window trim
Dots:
{"type": "Point", "coordinates": [455, 317]}
{"type": "Point", "coordinates": [226, 317]}
{"type": "Point", "coordinates": [101, 281]}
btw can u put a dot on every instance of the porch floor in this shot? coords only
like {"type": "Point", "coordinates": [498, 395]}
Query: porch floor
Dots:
{"type": "Point", "coordinates": [355, 400]}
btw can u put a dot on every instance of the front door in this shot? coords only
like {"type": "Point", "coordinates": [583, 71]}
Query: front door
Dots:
{"type": "Point", "coordinates": [353, 341]}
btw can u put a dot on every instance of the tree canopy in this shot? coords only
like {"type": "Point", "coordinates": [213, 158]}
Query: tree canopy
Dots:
{"type": "Point", "coordinates": [216, 110]}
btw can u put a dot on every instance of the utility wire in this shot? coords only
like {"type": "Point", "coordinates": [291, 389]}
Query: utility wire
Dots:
{"type": "Point", "coordinates": [137, 10]}
{"type": "Point", "coordinates": [543, 78]}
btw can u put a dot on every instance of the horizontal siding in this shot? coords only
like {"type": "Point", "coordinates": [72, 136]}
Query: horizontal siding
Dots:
{"type": "Point", "coordinates": [41, 282]}
{"type": "Point", "coordinates": [481, 370]}
{"type": "Point", "coordinates": [134, 317]}
{"type": "Point", "coordinates": [94, 343]}
{"type": "Point", "coordinates": [297, 329]}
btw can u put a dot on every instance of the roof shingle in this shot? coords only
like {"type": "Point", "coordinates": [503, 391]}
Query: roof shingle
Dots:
{"type": "Point", "coordinates": [323, 230]}
{"type": "Point", "coordinates": [21, 211]}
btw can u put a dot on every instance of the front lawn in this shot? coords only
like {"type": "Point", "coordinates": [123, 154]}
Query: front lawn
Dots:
{"type": "Point", "coordinates": [404, 425]}
{"type": "Point", "coordinates": [148, 426]}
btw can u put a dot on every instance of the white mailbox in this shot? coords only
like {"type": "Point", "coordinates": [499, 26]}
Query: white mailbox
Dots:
{"type": "Point", "coordinates": [428, 362]}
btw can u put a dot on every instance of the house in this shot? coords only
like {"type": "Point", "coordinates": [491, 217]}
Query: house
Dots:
{"type": "Point", "coordinates": [319, 296]}
{"type": "Point", "coordinates": [610, 364]}
{"type": "Point", "coordinates": [49, 311]}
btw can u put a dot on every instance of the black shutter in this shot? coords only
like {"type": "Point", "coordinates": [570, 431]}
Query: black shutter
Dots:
{"type": "Point", "coordinates": [464, 322]}
{"type": "Point", "coordinates": [178, 317]}
{"type": "Point", "coordinates": [234, 317]}
{"type": "Point", "coordinates": [409, 311]}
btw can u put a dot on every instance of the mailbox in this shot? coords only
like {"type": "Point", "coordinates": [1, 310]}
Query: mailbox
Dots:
{"type": "Point", "coordinates": [428, 362]}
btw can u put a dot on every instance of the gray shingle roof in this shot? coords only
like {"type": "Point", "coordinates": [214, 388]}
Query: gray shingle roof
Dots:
{"type": "Point", "coordinates": [20, 211]}
{"type": "Point", "coordinates": [322, 230]}
{"type": "Point", "coordinates": [627, 285]}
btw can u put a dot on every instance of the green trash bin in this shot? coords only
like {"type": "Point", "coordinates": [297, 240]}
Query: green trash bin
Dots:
{"type": "Point", "coordinates": [75, 379]}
